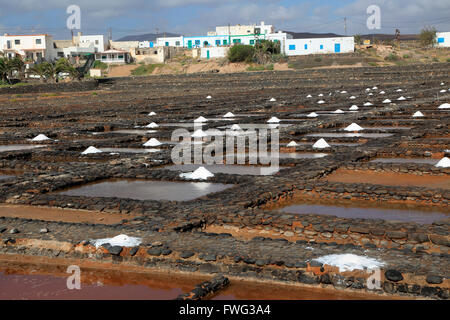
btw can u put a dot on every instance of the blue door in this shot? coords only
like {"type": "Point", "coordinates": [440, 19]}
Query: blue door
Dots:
{"type": "Point", "coordinates": [337, 47]}
{"type": "Point", "coordinates": [207, 54]}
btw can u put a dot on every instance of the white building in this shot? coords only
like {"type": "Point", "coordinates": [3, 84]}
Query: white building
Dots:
{"type": "Point", "coordinates": [213, 52]}
{"type": "Point", "coordinates": [170, 41]}
{"type": "Point", "coordinates": [113, 56]}
{"type": "Point", "coordinates": [30, 47]}
{"type": "Point", "coordinates": [443, 39]}
{"type": "Point", "coordinates": [242, 29]}
{"type": "Point", "coordinates": [96, 41]}
{"type": "Point", "coordinates": [296, 47]}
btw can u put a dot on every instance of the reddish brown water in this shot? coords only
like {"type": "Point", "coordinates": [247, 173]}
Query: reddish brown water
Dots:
{"type": "Point", "coordinates": [146, 189]}
{"type": "Point", "coordinates": [47, 281]}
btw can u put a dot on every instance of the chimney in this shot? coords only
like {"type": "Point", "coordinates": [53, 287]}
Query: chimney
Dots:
{"type": "Point", "coordinates": [262, 23]}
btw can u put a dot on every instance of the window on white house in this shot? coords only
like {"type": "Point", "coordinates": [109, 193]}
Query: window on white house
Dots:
{"type": "Point", "coordinates": [38, 41]}
{"type": "Point", "coordinates": [17, 41]}
{"type": "Point", "coordinates": [96, 42]}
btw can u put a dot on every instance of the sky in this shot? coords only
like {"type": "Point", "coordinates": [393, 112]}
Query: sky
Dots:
{"type": "Point", "coordinates": [196, 17]}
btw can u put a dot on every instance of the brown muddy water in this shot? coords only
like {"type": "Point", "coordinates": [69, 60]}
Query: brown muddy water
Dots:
{"type": "Point", "coordinates": [421, 215]}
{"type": "Point", "coordinates": [46, 280]}
{"type": "Point", "coordinates": [146, 189]}
{"type": "Point", "coordinates": [15, 147]}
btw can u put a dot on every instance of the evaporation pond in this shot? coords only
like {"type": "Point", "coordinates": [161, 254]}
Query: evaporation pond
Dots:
{"type": "Point", "coordinates": [15, 147]}
{"type": "Point", "coordinates": [146, 189]}
{"type": "Point", "coordinates": [407, 160]}
{"type": "Point", "coordinates": [418, 215]}
{"type": "Point", "coordinates": [349, 135]}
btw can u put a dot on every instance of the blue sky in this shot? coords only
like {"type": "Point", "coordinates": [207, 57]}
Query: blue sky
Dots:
{"type": "Point", "coordinates": [191, 17]}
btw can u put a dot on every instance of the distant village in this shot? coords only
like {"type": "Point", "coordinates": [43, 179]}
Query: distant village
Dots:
{"type": "Point", "coordinates": [215, 44]}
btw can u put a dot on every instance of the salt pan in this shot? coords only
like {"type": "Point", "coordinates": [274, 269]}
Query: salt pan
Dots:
{"type": "Point", "coordinates": [312, 115]}
{"type": "Point", "coordinates": [152, 143]}
{"type": "Point", "coordinates": [353, 127]}
{"type": "Point", "coordinates": [40, 137]}
{"type": "Point", "coordinates": [292, 144]}
{"type": "Point", "coordinates": [273, 120]}
{"type": "Point", "coordinates": [152, 125]}
{"type": "Point", "coordinates": [91, 149]}
{"type": "Point", "coordinates": [350, 262]}
{"type": "Point", "coordinates": [443, 163]}
{"type": "Point", "coordinates": [321, 144]}
{"type": "Point", "coordinates": [120, 240]}
{"type": "Point", "coordinates": [229, 115]}
{"type": "Point", "coordinates": [417, 114]}
{"type": "Point", "coordinates": [200, 174]}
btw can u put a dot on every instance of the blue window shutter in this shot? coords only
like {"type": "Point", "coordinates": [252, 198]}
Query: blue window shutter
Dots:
{"type": "Point", "coordinates": [321, 47]}
{"type": "Point", "coordinates": [306, 47]}
{"type": "Point", "coordinates": [440, 40]}
{"type": "Point", "coordinates": [292, 47]}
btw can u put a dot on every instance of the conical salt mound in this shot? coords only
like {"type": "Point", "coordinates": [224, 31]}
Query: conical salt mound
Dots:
{"type": "Point", "coordinates": [312, 115]}
{"type": "Point", "coordinates": [353, 127]}
{"type": "Point", "coordinates": [152, 113]}
{"type": "Point", "coordinates": [443, 90]}
{"type": "Point", "coordinates": [200, 174]}
{"type": "Point", "coordinates": [320, 101]}
{"type": "Point", "coordinates": [401, 98]}
{"type": "Point", "coordinates": [201, 119]}
{"type": "Point", "coordinates": [354, 107]}
{"type": "Point", "coordinates": [91, 149]}
{"type": "Point", "coordinates": [40, 137]}
{"type": "Point", "coordinates": [199, 134]}
{"type": "Point", "coordinates": [418, 114]}
{"type": "Point", "coordinates": [273, 120]}
{"type": "Point", "coordinates": [352, 97]}
{"type": "Point", "coordinates": [272, 100]}
{"type": "Point", "coordinates": [381, 92]}
{"type": "Point", "coordinates": [344, 91]}
{"type": "Point", "coordinates": [292, 144]}
{"type": "Point", "coordinates": [443, 163]}
{"type": "Point", "coordinates": [367, 104]}
{"type": "Point", "coordinates": [399, 90]}
{"type": "Point", "coordinates": [444, 106]}
{"type": "Point", "coordinates": [152, 125]}
{"type": "Point", "coordinates": [338, 111]}
{"type": "Point", "coordinates": [228, 115]}
{"type": "Point", "coordinates": [208, 97]}
{"type": "Point", "coordinates": [235, 127]}
{"type": "Point", "coordinates": [152, 143]}
{"type": "Point", "coordinates": [321, 144]}
{"type": "Point", "coordinates": [387, 101]}
{"type": "Point", "coordinates": [309, 96]}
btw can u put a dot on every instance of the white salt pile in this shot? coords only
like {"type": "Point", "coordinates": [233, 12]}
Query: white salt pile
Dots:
{"type": "Point", "coordinates": [444, 106]}
{"type": "Point", "coordinates": [152, 113]}
{"type": "Point", "coordinates": [320, 95]}
{"type": "Point", "coordinates": [91, 149]}
{"type": "Point", "coordinates": [368, 89]}
{"type": "Point", "coordinates": [321, 144]}
{"type": "Point", "coordinates": [443, 90]}
{"type": "Point", "coordinates": [381, 92]}
{"type": "Point", "coordinates": [120, 240]}
{"type": "Point", "coordinates": [228, 115]}
{"type": "Point", "coordinates": [338, 111]}
{"type": "Point", "coordinates": [272, 100]}
{"type": "Point", "coordinates": [208, 97]}
{"type": "Point", "coordinates": [292, 144]}
{"type": "Point", "coordinates": [399, 90]}
{"type": "Point", "coordinates": [370, 94]}
{"type": "Point", "coordinates": [352, 97]}
{"type": "Point", "coordinates": [418, 114]}
{"type": "Point", "coordinates": [354, 107]}
{"type": "Point", "coordinates": [309, 96]}
{"type": "Point", "coordinates": [273, 120]}
{"type": "Point", "coordinates": [344, 91]}
{"type": "Point", "coordinates": [320, 101]}
{"type": "Point", "coordinates": [152, 143]}
{"type": "Point", "coordinates": [199, 134]}
{"type": "Point", "coordinates": [200, 174]}
{"type": "Point", "coordinates": [443, 163]}
{"type": "Point", "coordinates": [350, 262]}
{"type": "Point", "coordinates": [152, 125]}
{"type": "Point", "coordinates": [201, 119]}
{"type": "Point", "coordinates": [401, 98]}
{"type": "Point", "coordinates": [442, 83]}
{"type": "Point", "coordinates": [353, 127]}
{"type": "Point", "coordinates": [40, 137]}
{"type": "Point", "coordinates": [312, 115]}
{"type": "Point", "coordinates": [387, 101]}
{"type": "Point", "coordinates": [235, 127]}
{"type": "Point", "coordinates": [374, 88]}
{"type": "Point", "coordinates": [367, 104]}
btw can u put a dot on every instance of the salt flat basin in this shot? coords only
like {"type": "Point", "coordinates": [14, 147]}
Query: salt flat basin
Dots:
{"type": "Point", "coordinates": [421, 216]}
{"type": "Point", "coordinates": [126, 131]}
{"type": "Point", "coordinates": [146, 189]}
{"type": "Point", "coordinates": [15, 147]}
{"type": "Point", "coordinates": [179, 124]}
{"type": "Point", "coordinates": [37, 278]}
{"type": "Point", "coordinates": [127, 150]}
{"type": "Point", "coordinates": [227, 168]}
{"type": "Point", "coordinates": [388, 128]}
{"type": "Point", "coordinates": [5, 176]}
{"type": "Point", "coordinates": [389, 178]}
{"type": "Point", "coordinates": [346, 144]}
{"type": "Point", "coordinates": [245, 126]}
{"type": "Point", "coordinates": [406, 160]}
{"type": "Point", "coordinates": [349, 135]}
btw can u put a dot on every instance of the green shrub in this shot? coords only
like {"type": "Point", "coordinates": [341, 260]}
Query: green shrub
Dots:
{"type": "Point", "coordinates": [392, 57]}
{"type": "Point", "coordinates": [99, 65]}
{"type": "Point", "coordinates": [241, 53]}
{"type": "Point", "coordinates": [145, 69]}
{"type": "Point", "coordinates": [427, 37]}
{"type": "Point", "coordinates": [406, 56]}
{"type": "Point", "coordinates": [448, 60]}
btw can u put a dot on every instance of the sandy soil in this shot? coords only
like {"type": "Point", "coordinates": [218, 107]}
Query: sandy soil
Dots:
{"type": "Point", "coordinates": [121, 71]}
{"type": "Point", "coordinates": [64, 215]}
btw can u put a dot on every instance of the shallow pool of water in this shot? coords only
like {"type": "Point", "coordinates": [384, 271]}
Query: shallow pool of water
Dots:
{"type": "Point", "coordinates": [406, 160]}
{"type": "Point", "coordinates": [146, 189]}
{"type": "Point", "coordinates": [421, 216]}
{"type": "Point", "coordinates": [387, 128]}
{"type": "Point", "coordinates": [128, 150]}
{"type": "Point", "coordinates": [5, 176]}
{"type": "Point", "coordinates": [349, 135]}
{"type": "Point", "coordinates": [15, 147]}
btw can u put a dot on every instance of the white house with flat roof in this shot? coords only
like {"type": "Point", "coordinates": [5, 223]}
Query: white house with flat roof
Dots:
{"type": "Point", "coordinates": [443, 39]}
{"type": "Point", "coordinates": [238, 29]}
{"type": "Point", "coordinates": [36, 47]}
{"type": "Point", "coordinates": [296, 47]}
{"type": "Point", "coordinates": [113, 56]}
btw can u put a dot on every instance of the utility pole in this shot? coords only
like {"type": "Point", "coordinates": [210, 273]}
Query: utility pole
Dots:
{"type": "Point", "coordinates": [345, 25]}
